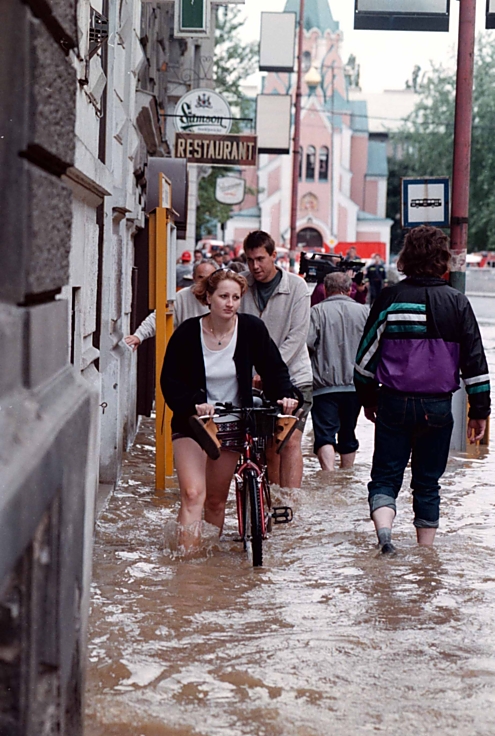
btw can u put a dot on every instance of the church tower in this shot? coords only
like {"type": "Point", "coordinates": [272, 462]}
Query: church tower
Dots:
{"type": "Point", "coordinates": [342, 174]}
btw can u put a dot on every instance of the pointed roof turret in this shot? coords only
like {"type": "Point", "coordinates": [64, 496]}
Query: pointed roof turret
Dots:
{"type": "Point", "coordinates": [317, 14]}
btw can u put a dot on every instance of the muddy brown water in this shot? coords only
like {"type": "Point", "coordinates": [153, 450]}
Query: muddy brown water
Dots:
{"type": "Point", "coordinates": [328, 638]}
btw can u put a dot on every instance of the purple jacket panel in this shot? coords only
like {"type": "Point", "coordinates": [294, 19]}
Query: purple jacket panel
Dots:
{"type": "Point", "coordinates": [419, 366]}
{"type": "Point", "coordinates": [319, 294]}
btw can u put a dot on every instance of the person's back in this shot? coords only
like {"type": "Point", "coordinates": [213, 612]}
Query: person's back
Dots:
{"type": "Point", "coordinates": [339, 323]}
{"type": "Point", "coordinates": [420, 335]}
{"type": "Point", "coordinates": [421, 325]}
{"type": "Point", "coordinates": [336, 328]}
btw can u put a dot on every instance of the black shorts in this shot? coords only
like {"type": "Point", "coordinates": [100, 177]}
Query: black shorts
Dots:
{"type": "Point", "coordinates": [231, 435]}
{"type": "Point", "coordinates": [335, 417]}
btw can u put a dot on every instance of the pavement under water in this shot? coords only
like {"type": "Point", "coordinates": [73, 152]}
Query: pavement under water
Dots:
{"type": "Point", "coordinates": [328, 638]}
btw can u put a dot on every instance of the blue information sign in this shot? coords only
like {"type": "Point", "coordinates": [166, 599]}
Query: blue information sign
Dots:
{"type": "Point", "coordinates": [425, 201]}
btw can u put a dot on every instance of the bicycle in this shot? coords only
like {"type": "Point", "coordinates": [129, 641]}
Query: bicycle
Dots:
{"type": "Point", "coordinates": [255, 514]}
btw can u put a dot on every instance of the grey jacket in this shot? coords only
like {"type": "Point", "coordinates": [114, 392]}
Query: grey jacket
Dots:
{"type": "Point", "coordinates": [185, 306]}
{"type": "Point", "coordinates": [336, 327]}
{"type": "Point", "coordinates": [287, 318]}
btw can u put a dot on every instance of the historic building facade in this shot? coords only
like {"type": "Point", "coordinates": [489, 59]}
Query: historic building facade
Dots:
{"type": "Point", "coordinates": [85, 89]}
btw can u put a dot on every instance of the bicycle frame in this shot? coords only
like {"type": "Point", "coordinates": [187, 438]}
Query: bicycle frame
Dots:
{"type": "Point", "coordinates": [247, 461]}
{"type": "Point", "coordinates": [255, 514]}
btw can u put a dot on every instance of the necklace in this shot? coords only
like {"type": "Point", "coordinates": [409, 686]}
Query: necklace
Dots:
{"type": "Point", "coordinates": [220, 338]}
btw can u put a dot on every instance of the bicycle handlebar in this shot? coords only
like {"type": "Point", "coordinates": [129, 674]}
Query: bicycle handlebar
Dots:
{"type": "Point", "coordinates": [227, 408]}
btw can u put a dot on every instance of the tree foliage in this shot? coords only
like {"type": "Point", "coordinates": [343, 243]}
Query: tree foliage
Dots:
{"type": "Point", "coordinates": [424, 144]}
{"type": "Point", "coordinates": [209, 211]}
{"type": "Point", "coordinates": [234, 62]}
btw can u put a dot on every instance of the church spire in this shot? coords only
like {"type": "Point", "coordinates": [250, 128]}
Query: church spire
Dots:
{"type": "Point", "coordinates": [317, 14]}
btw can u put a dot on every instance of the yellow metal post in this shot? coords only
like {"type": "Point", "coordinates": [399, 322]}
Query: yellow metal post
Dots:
{"type": "Point", "coordinates": [161, 306]}
{"type": "Point", "coordinates": [159, 227]}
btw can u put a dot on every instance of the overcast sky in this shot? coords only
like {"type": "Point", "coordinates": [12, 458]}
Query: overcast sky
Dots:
{"type": "Point", "coordinates": [386, 58]}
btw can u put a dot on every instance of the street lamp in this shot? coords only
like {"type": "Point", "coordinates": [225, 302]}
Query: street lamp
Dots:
{"type": "Point", "coordinates": [313, 80]}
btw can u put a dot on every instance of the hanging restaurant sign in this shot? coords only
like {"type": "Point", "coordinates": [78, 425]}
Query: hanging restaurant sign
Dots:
{"type": "Point", "coordinates": [203, 111]}
{"type": "Point", "coordinates": [230, 190]}
{"type": "Point", "coordinates": [402, 15]}
{"type": "Point", "coordinates": [216, 150]}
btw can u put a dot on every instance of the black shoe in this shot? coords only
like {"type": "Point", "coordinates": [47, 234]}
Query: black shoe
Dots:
{"type": "Point", "coordinates": [388, 549]}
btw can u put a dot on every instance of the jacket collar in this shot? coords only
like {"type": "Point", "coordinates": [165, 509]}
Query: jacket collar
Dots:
{"type": "Point", "coordinates": [338, 297]}
{"type": "Point", "coordinates": [425, 281]}
{"type": "Point", "coordinates": [282, 288]}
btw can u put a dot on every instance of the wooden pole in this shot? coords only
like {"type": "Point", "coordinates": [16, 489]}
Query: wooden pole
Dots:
{"type": "Point", "coordinates": [296, 154]}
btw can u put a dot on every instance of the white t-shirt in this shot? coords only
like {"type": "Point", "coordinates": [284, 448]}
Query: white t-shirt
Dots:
{"type": "Point", "coordinates": [221, 377]}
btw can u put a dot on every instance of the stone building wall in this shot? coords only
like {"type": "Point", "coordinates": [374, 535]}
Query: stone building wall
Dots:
{"type": "Point", "coordinates": [47, 411]}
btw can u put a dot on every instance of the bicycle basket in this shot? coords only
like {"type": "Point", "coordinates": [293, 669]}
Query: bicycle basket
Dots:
{"type": "Point", "coordinates": [264, 424]}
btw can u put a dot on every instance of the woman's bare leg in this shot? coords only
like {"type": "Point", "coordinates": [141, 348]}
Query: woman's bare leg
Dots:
{"type": "Point", "coordinates": [190, 463]}
{"type": "Point", "coordinates": [218, 478]}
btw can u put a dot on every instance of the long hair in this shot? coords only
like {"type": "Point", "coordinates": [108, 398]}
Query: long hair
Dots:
{"type": "Point", "coordinates": [425, 252]}
{"type": "Point", "coordinates": [211, 284]}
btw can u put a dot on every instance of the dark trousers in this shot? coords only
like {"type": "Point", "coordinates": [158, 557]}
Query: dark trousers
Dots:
{"type": "Point", "coordinates": [335, 416]}
{"type": "Point", "coordinates": [375, 289]}
{"type": "Point", "coordinates": [405, 425]}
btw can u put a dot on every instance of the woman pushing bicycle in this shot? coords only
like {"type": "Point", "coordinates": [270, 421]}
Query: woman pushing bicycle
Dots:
{"type": "Point", "coordinates": [210, 360]}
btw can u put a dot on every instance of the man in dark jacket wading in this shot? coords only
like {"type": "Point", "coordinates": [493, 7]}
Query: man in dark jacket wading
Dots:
{"type": "Point", "coordinates": [420, 335]}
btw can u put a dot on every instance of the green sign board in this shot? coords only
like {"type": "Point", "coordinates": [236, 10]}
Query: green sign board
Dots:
{"type": "Point", "coordinates": [192, 14]}
{"type": "Point", "coordinates": [192, 18]}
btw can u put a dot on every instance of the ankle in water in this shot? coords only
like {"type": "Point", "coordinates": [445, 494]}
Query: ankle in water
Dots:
{"type": "Point", "coordinates": [384, 535]}
{"type": "Point", "coordinates": [388, 549]}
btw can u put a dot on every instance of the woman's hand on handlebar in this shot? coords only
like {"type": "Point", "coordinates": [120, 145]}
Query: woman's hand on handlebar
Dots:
{"type": "Point", "coordinates": [288, 405]}
{"type": "Point", "coordinates": [204, 410]}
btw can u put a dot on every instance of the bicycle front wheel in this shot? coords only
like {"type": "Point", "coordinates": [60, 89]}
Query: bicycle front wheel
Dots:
{"type": "Point", "coordinates": [254, 516]}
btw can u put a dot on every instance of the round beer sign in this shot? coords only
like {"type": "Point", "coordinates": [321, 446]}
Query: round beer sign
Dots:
{"type": "Point", "coordinates": [203, 111]}
{"type": "Point", "coordinates": [230, 190]}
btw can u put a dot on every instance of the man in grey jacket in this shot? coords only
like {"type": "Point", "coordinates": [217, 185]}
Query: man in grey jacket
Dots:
{"type": "Point", "coordinates": [336, 328]}
{"type": "Point", "coordinates": [185, 306]}
{"type": "Point", "coordinates": [282, 301]}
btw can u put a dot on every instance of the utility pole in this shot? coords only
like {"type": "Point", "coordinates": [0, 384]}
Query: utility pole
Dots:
{"type": "Point", "coordinates": [296, 154]}
{"type": "Point", "coordinates": [462, 143]}
{"type": "Point", "coordinates": [460, 180]}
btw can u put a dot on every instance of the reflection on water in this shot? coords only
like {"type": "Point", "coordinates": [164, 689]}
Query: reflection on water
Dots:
{"type": "Point", "coordinates": [328, 638]}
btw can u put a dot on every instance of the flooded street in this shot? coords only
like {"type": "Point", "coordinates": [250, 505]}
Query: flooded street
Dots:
{"type": "Point", "coordinates": [328, 638]}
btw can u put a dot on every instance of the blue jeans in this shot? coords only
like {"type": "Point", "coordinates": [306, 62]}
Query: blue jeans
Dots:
{"type": "Point", "coordinates": [408, 424]}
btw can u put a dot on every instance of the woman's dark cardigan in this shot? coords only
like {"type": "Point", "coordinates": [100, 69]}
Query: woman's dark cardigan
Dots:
{"type": "Point", "coordinates": [183, 379]}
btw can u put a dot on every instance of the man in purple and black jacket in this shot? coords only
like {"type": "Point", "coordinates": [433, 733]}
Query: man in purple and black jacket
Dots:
{"type": "Point", "coordinates": [420, 337]}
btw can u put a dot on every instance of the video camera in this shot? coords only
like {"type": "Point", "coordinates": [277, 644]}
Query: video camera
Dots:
{"type": "Point", "coordinates": [315, 266]}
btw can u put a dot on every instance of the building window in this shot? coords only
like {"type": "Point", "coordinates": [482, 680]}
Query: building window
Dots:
{"type": "Point", "coordinates": [306, 61]}
{"type": "Point", "coordinates": [310, 239]}
{"type": "Point", "coordinates": [323, 164]}
{"type": "Point", "coordinates": [310, 163]}
{"type": "Point", "coordinates": [300, 163]}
